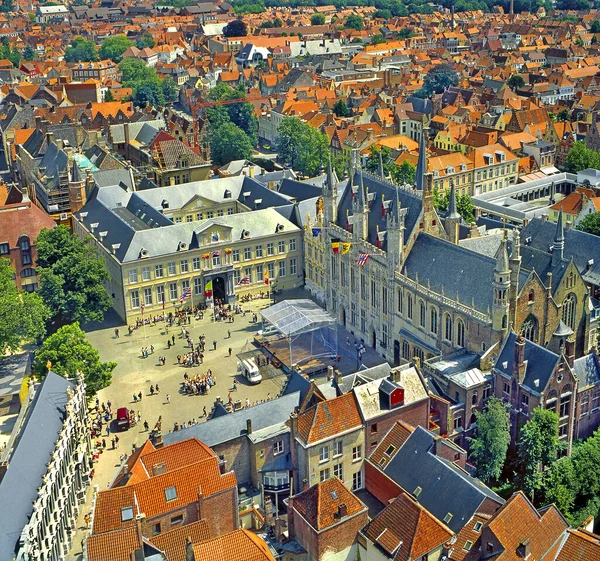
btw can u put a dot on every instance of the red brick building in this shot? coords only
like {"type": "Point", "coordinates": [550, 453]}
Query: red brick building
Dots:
{"type": "Point", "coordinates": [325, 520]}
{"type": "Point", "coordinates": [20, 223]}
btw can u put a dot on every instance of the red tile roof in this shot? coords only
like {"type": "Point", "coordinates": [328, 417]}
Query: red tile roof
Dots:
{"type": "Point", "coordinates": [173, 542]}
{"type": "Point", "coordinates": [580, 545]}
{"type": "Point", "coordinates": [320, 504]}
{"type": "Point", "coordinates": [240, 545]}
{"type": "Point", "coordinates": [329, 418]}
{"type": "Point", "coordinates": [406, 530]}
{"type": "Point", "coordinates": [391, 443]}
{"type": "Point", "coordinates": [22, 219]}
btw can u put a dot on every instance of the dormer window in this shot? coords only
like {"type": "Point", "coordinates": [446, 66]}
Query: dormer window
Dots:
{"type": "Point", "coordinates": [126, 514]}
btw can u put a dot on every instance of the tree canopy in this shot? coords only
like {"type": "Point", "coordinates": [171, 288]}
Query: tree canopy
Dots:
{"type": "Point", "coordinates": [492, 437]}
{"type": "Point", "coordinates": [229, 142]}
{"type": "Point", "coordinates": [81, 50]}
{"type": "Point", "coordinates": [515, 82]}
{"type": "Point", "coordinates": [341, 109]}
{"type": "Point", "coordinates": [148, 87]}
{"type": "Point", "coordinates": [68, 352]}
{"type": "Point", "coordinates": [317, 19]}
{"type": "Point", "coordinates": [302, 146]}
{"type": "Point", "coordinates": [354, 21]}
{"type": "Point", "coordinates": [464, 204]}
{"type": "Point", "coordinates": [113, 47]}
{"type": "Point", "coordinates": [581, 157]}
{"type": "Point", "coordinates": [235, 28]}
{"type": "Point", "coordinates": [399, 173]}
{"type": "Point", "coordinates": [438, 79]}
{"type": "Point", "coordinates": [590, 224]}
{"type": "Point", "coordinates": [23, 315]}
{"type": "Point", "coordinates": [72, 277]}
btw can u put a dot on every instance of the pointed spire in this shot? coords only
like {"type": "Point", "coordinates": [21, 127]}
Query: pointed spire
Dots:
{"type": "Point", "coordinates": [330, 180]}
{"type": "Point", "coordinates": [421, 162]}
{"type": "Point", "coordinates": [381, 171]}
{"type": "Point", "coordinates": [76, 176]}
{"type": "Point", "coordinates": [362, 199]}
{"type": "Point", "coordinates": [452, 212]}
{"type": "Point", "coordinates": [502, 258]}
{"type": "Point", "coordinates": [559, 240]}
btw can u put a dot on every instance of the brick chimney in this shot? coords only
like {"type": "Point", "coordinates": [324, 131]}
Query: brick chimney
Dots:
{"type": "Point", "coordinates": [523, 549]}
{"type": "Point", "coordinates": [248, 426]}
{"type": "Point", "coordinates": [519, 366]}
{"type": "Point", "coordinates": [570, 350]}
{"type": "Point", "coordinates": [189, 550]}
{"type": "Point", "coordinates": [342, 510]}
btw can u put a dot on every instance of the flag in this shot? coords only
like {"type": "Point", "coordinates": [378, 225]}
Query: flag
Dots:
{"type": "Point", "coordinates": [208, 291]}
{"type": "Point", "coordinates": [216, 253]}
{"type": "Point", "coordinates": [266, 276]}
{"type": "Point", "coordinates": [335, 246]}
{"type": "Point", "coordinates": [316, 232]}
{"type": "Point", "coordinates": [215, 237]}
{"type": "Point", "coordinates": [245, 280]}
{"type": "Point", "coordinates": [364, 257]}
{"type": "Point", "coordinates": [346, 247]}
{"type": "Point", "coordinates": [186, 294]}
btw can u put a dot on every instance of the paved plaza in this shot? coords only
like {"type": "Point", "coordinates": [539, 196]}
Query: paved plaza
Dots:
{"type": "Point", "coordinates": [135, 374]}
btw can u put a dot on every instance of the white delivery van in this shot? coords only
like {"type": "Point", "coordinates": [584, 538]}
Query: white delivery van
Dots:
{"type": "Point", "coordinates": [250, 371]}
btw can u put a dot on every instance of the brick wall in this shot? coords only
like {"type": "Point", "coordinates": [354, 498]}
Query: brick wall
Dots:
{"type": "Point", "coordinates": [237, 456]}
{"type": "Point", "coordinates": [379, 484]}
{"type": "Point", "coordinates": [220, 511]}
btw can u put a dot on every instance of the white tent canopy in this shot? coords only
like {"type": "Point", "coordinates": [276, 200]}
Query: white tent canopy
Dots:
{"type": "Point", "coordinates": [294, 317]}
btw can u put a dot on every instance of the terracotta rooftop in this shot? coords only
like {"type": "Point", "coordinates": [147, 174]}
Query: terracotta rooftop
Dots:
{"type": "Point", "coordinates": [240, 545]}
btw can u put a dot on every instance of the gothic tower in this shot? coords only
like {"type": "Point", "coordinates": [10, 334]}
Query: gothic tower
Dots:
{"type": "Point", "coordinates": [558, 247]}
{"type": "Point", "coordinates": [77, 194]}
{"type": "Point", "coordinates": [395, 234]}
{"type": "Point", "coordinates": [330, 197]}
{"type": "Point", "coordinates": [422, 161]}
{"type": "Point", "coordinates": [360, 211]}
{"type": "Point", "coordinates": [452, 222]}
{"type": "Point", "coordinates": [501, 287]}
{"type": "Point", "coordinates": [515, 269]}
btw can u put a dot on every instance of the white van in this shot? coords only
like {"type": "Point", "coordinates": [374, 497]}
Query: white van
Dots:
{"type": "Point", "coordinates": [250, 371]}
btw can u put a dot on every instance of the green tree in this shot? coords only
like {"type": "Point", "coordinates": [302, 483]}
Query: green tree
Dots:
{"type": "Point", "coordinates": [169, 89]}
{"type": "Point", "coordinates": [23, 315]}
{"type": "Point", "coordinates": [235, 28]}
{"type": "Point", "coordinates": [464, 204]}
{"type": "Point", "coordinates": [406, 33]}
{"type": "Point", "coordinates": [113, 48]}
{"type": "Point", "coordinates": [491, 440]}
{"type": "Point", "coordinates": [581, 157]}
{"type": "Point", "coordinates": [81, 50]}
{"type": "Point", "coordinates": [28, 53]}
{"type": "Point", "coordinates": [14, 55]}
{"type": "Point", "coordinates": [377, 39]}
{"type": "Point", "coordinates": [404, 173]}
{"type": "Point", "coordinates": [382, 14]}
{"type": "Point", "coordinates": [72, 277]}
{"type": "Point", "coordinates": [108, 96]}
{"type": "Point", "coordinates": [240, 114]}
{"type": "Point", "coordinates": [595, 27]}
{"type": "Point", "coordinates": [590, 224]}
{"type": "Point", "coordinates": [515, 82]}
{"type": "Point", "coordinates": [317, 19]}
{"type": "Point", "coordinates": [354, 21]}
{"type": "Point", "coordinates": [438, 79]}
{"type": "Point", "coordinates": [135, 71]}
{"type": "Point", "coordinates": [538, 446]}
{"type": "Point", "coordinates": [341, 109]}
{"type": "Point", "coordinates": [229, 142]}
{"type": "Point", "coordinates": [302, 146]}
{"type": "Point", "coordinates": [68, 352]}
{"type": "Point", "coordinates": [7, 6]}
{"type": "Point", "coordinates": [563, 115]}
{"type": "Point", "coordinates": [150, 94]}
{"type": "Point", "coordinates": [145, 40]}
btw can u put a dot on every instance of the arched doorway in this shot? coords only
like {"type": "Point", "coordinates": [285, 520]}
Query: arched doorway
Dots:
{"type": "Point", "coordinates": [219, 292]}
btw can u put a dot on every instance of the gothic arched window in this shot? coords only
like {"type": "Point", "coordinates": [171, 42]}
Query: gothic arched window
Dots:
{"type": "Point", "coordinates": [448, 327]}
{"type": "Point", "coordinates": [460, 333]}
{"type": "Point", "coordinates": [434, 320]}
{"type": "Point", "coordinates": [422, 314]}
{"type": "Point", "coordinates": [529, 328]}
{"type": "Point", "coordinates": [568, 311]}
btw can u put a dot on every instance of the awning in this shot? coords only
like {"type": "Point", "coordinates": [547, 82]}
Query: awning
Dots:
{"type": "Point", "coordinates": [406, 334]}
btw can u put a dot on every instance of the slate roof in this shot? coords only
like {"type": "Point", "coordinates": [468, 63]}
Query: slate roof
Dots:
{"type": "Point", "coordinates": [380, 190]}
{"type": "Point", "coordinates": [406, 531]}
{"type": "Point", "coordinates": [539, 367]}
{"type": "Point", "coordinates": [319, 505]}
{"type": "Point", "coordinates": [587, 370]}
{"type": "Point", "coordinates": [226, 428]}
{"type": "Point", "coordinates": [579, 245]}
{"type": "Point", "coordinates": [445, 487]}
{"type": "Point", "coordinates": [27, 465]}
{"type": "Point", "coordinates": [299, 190]}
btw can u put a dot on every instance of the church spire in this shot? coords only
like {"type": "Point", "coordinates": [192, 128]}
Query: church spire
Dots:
{"type": "Point", "coordinates": [422, 161]}
{"type": "Point", "coordinates": [559, 240]}
{"type": "Point", "coordinates": [452, 212]}
{"type": "Point", "coordinates": [381, 171]}
{"type": "Point", "coordinates": [502, 265]}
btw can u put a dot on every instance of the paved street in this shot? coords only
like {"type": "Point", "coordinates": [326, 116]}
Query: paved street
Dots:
{"type": "Point", "coordinates": [135, 374]}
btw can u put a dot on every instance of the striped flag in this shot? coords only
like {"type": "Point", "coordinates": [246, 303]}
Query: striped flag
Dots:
{"type": "Point", "coordinates": [364, 257]}
{"type": "Point", "coordinates": [187, 293]}
{"type": "Point", "coordinates": [208, 290]}
{"type": "Point", "coordinates": [267, 276]}
{"type": "Point", "coordinates": [245, 280]}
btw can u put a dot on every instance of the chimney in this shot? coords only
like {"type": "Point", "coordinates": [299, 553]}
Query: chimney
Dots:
{"type": "Point", "coordinates": [305, 484]}
{"type": "Point", "coordinates": [519, 366]}
{"type": "Point", "coordinates": [49, 137]}
{"type": "Point", "coordinates": [523, 549]}
{"type": "Point", "coordinates": [342, 510]}
{"type": "Point", "coordinates": [268, 512]}
{"type": "Point", "coordinates": [248, 426]}
{"type": "Point", "coordinates": [570, 350]}
{"type": "Point", "coordinates": [189, 550]}
{"type": "Point", "coordinates": [294, 424]}
{"type": "Point", "coordinates": [290, 519]}
{"type": "Point", "coordinates": [251, 170]}
{"type": "Point", "coordinates": [568, 225]}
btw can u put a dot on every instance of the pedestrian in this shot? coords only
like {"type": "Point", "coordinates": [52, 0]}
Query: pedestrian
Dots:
{"type": "Point", "coordinates": [173, 340]}
{"type": "Point", "coordinates": [140, 396]}
{"type": "Point", "coordinates": [112, 441]}
{"type": "Point", "coordinates": [117, 441]}
{"type": "Point", "coordinates": [214, 345]}
{"type": "Point", "coordinates": [228, 334]}
{"type": "Point", "coordinates": [107, 429]}
{"type": "Point", "coordinates": [103, 444]}
{"type": "Point", "coordinates": [229, 351]}
{"type": "Point", "coordinates": [204, 411]}
{"type": "Point", "coordinates": [134, 398]}
{"type": "Point", "coordinates": [116, 333]}
{"type": "Point", "coordinates": [151, 389]}
{"type": "Point", "coordinates": [151, 349]}
{"type": "Point", "coordinates": [235, 384]}
{"type": "Point", "coordinates": [146, 426]}
{"type": "Point", "coordinates": [168, 398]}
{"type": "Point", "coordinates": [247, 402]}
{"type": "Point", "coordinates": [157, 389]}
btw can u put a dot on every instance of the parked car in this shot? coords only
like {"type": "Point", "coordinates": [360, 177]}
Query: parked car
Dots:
{"type": "Point", "coordinates": [123, 419]}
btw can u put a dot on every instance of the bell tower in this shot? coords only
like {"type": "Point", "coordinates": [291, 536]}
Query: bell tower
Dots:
{"type": "Point", "coordinates": [501, 288]}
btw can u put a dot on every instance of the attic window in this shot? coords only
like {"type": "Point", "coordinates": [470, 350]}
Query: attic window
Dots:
{"type": "Point", "coordinates": [478, 526]}
{"type": "Point", "coordinates": [334, 495]}
{"type": "Point", "coordinates": [227, 194]}
{"type": "Point", "coordinates": [126, 514]}
{"type": "Point", "coordinates": [170, 493]}
{"type": "Point", "coordinates": [468, 545]}
{"type": "Point", "coordinates": [417, 491]}
{"type": "Point", "coordinates": [382, 462]}
{"type": "Point", "coordinates": [448, 517]}
{"type": "Point", "coordinates": [390, 450]}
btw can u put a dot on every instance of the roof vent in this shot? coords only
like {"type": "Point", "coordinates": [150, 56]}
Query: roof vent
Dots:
{"type": "Point", "coordinates": [279, 228]}
{"type": "Point", "coordinates": [83, 214]}
{"type": "Point", "coordinates": [103, 235]}
{"type": "Point", "coordinates": [93, 226]}
{"type": "Point", "coordinates": [182, 246]}
{"type": "Point", "coordinates": [257, 203]}
{"type": "Point", "coordinates": [144, 253]}
{"type": "Point", "coordinates": [115, 247]}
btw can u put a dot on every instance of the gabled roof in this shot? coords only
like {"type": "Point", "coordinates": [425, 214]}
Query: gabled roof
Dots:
{"type": "Point", "coordinates": [319, 505]}
{"type": "Point", "coordinates": [239, 545]}
{"type": "Point", "coordinates": [406, 531]}
{"type": "Point", "coordinates": [328, 419]}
